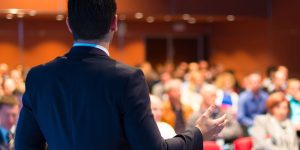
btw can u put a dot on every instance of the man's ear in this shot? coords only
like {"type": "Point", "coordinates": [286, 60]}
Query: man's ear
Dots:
{"type": "Point", "coordinates": [114, 24]}
{"type": "Point", "coordinates": [68, 25]}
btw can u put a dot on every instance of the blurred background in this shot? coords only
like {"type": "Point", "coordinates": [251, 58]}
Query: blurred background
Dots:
{"type": "Point", "coordinates": [242, 35]}
{"type": "Point", "coordinates": [193, 53]}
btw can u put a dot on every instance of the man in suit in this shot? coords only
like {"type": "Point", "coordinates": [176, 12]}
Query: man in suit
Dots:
{"type": "Point", "coordinates": [85, 100]}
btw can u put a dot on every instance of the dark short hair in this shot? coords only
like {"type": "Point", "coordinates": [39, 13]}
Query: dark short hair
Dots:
{"type": "Point", "coordinates": [91, 19]}
{"type": "Point", "coordinates": [9, 101]}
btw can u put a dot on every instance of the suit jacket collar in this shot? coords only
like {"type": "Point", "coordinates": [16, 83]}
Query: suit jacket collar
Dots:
{"type": "Point", "coordinates": [85, 51]}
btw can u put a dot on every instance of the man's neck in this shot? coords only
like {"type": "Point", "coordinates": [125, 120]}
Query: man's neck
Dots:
{"type": "Point", "coordinates": [96, 42]}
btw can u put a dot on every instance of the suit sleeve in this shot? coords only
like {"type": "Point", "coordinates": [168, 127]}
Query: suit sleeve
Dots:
{"type": "Point", "coordinates": [28, 133]}
{"type": "Point", "coordinates": [140, 127]}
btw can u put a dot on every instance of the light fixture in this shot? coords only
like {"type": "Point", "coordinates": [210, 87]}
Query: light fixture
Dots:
{"type": "Point", "coordinates": [138, 15]}
{"type": "Point", "coordinates": [9, 16]}
{"type": "Point", "coordinates": [230, 18]}
{"type": "Point", "coordinates": [13, 11]}
{"type": "Point", "coordinates": [150, 19]}
{"type": "Point", "coordinates": [60, 17]}
{"type": "Point", "coordinates": [186, 16]}
{"type": "Point", "coordinates": [32, 13]}
{"type": "Point", "coordinates": [192, 20]}
{"type": "Point", "coordinates": [20, 15]}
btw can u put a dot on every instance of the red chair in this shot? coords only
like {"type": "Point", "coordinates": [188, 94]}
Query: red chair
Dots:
{"type": "Point", "coordinates": [210, 145]}
{"type": "Point", "coordinates": [244, 143]}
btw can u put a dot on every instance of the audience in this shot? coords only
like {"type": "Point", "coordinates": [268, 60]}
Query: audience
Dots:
{"type": "Point", "coordinates": [165, 129]}
{"type": "Point", "coordinates": [232, 129]}
{"type": "Point", "coordinates": [175, 112]}
{"type": "Point", "coordinates": [274, 131]}
{"type": "Point", "coordinates": [251, 102]}
{"type": "Point", "coordinates": [9, 113]}
{"type": "Point", "coordinates": [183, 92]}
{"type": "Point", "coordinates": [158, 88]}
{"type": "Point", "coordinates": [191, 88]}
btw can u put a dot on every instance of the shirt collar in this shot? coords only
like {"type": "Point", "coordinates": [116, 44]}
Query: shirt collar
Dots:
{"type": "Point", "coordinates": [92, 45]}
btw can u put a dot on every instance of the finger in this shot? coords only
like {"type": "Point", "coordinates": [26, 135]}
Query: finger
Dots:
{"type": "Point", "coordinates": [209, 111]}
{"type": "Point", "coordinates": [223, 123]}
{"type": "Point", "coordinates": [221, 119]}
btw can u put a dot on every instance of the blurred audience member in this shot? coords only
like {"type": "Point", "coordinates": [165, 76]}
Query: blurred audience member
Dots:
{"type": "Point", "coordinates": [193, 66]}
{"type": "Point", "coordinates": [1, 87]}
{"type": "Point", "coordinates": [232, 129]}
{"type": "Point", "coordinates": [251, 102]}
{"type": "Point", "coordinates": [293, 88]}
{"type": "Point", "coordinates": [149, 73]}
{"type": "Point", "coordinates": [293, 95]}
{"type": "Point", "coordinates": [203, 65]}
{"type": "Point", "coordinates": [175, 112]}
{"type": "Point", "coordinates": [159, 88]}
{"type": "Point", "coordinates": [9, 113]}
{"type": "Point", "coordinates": [227, 98]}
{"type": "Point", "coordinates": [4, 70]}
{"type": "Point", "coordinates": [279, 82]}
{"type": "Point", "coordinates": [274, 131]}
{"type": "Point", "coordinates": [181, 71]}
{"type": "Point", "coordinates": [165, 129]}
{"type": "Point", "coordinates": [9, 86]}
{"type": "Point", "coordinates": [191, 89]}
{"type": "Point", "coordinates": [270, 73]}
{"type": "Point", "coordinates": [284, 70]}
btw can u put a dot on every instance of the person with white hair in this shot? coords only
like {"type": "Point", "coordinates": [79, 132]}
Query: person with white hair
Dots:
{"type": "Point", "coordinates": [175, 112]}
{"type": "Point", "coordinates": [165, 129]}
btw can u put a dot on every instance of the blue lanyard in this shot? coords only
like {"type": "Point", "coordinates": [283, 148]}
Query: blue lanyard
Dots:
{"type": "Point", "coordinates": [92, 45]}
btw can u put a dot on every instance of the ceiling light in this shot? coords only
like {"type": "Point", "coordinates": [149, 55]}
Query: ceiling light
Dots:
{"type": "Point", "coordinates": [139, 15]}
{"type": "Point", "coordinates": [150, 19]}
{"type": "Point", "coordinates": [186, 16]}
{"type": "Point", "coordinates": [9, 16]}
{"type": "Point", "coordinates": [13, 11]}
{"type": "Point", "coordinates": [192, 20]}
{"type": "Point", "coordinates": [20, 15]}
{"type": "Point", "coordinates": [32, 13]}
{"type": "Point", "coordinates": [60, 17]}
{"type": "Point", "coordinates": [230, 17]}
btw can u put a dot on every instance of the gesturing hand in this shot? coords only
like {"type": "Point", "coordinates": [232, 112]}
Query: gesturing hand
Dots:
{"type": "Point", "coordinates": [210, 128]}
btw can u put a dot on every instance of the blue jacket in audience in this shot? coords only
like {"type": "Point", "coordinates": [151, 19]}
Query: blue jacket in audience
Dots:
{"type": "Point", "coordinates": [250, 105]}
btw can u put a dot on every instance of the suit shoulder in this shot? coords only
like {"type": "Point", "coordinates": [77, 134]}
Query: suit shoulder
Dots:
{"type": "Point", "coordinates": [37, 70]}
{"type": "Point", "coordinates": [126, 70]}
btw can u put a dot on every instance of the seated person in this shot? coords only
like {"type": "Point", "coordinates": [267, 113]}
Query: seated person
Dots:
{"type": "Point", "coordinates": [274, 131]}
{"type": "Point", "coordinates": [293, 95]}
{"type": "Point", "coordinates": [165, 129]}
{"type": "Point", "coordinates": [9, 113]}
{"type": "Point", "coordinates": [227, 98]}
{"type": "Point", "coordinates": [175, 113]}
{"type": "Point", "coordinates": [232, 129]}
{"type": "Point", "coordinates": [251, 102]}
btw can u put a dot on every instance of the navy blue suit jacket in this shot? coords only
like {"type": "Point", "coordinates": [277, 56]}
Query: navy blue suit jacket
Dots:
{"type": "Point", "coordinates": [87, 101]}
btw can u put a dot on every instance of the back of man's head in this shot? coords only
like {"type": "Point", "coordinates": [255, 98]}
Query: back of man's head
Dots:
{"type": "Point", "coordinates": [91, 19]}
